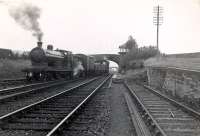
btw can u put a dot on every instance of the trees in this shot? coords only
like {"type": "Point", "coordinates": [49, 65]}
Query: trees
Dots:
{"type": "Point", "coordinates": [20, 55]}
{"type": "Point", "coordinates": [135, 57]}
{"type": "Point", "coordinates": [131, 43]}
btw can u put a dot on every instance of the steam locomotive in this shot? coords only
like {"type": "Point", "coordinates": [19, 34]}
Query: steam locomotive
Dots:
{"type": "Point", "coordinates": [50, 64]}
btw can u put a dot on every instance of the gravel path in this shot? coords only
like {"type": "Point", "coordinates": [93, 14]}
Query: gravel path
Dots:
{"type": "Point", "coordinates": [120, 121]}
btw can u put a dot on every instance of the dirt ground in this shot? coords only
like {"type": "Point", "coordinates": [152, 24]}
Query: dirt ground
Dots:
{"type": "Point", "coordinates": [120, 121]}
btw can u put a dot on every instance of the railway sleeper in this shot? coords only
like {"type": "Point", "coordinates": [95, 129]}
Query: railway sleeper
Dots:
{"type": "Point", "coordinates": [183, 132]}
{"type": "Point", "coordinates": [174, 120]}
{"type": "Point", "coordinates": [44, 116]}
{"type": "Point", "coordinates": [56, 108]}
{"type": "Point", "coordinates": [167, 111]}
{"type": "Point", "coordinates": [51, 112]}
{"type": "Point", "coordinates": [167, 114]}
{"type": "Point", "coordinates": [179, 126]}
{"type": "Point", "coordinates": [35, 120]}
{"type": "Point", "coordinates": [33, 126]}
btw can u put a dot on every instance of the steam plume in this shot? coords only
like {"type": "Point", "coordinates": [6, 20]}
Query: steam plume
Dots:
{"type": "Point", "coordinates": [78, 68]}
{"type": "Point", "coordinates": [27, 15]}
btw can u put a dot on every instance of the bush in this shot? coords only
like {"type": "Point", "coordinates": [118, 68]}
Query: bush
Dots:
{"type": "Point", "coordinates": [136, 57]}
{"type": "Point", "coordinates": [12, 68]}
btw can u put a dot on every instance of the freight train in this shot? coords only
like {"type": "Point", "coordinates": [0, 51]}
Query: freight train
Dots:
{"type": "Point", "coordinates": [48, 64]}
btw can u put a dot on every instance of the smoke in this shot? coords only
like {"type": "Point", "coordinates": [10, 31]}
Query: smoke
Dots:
{"type": "Point", "coordinates": [78, 68]}
{"type": "Point", "coordinates": [27, 16]}
{"type": "Point", "coordinates": [3, 2]}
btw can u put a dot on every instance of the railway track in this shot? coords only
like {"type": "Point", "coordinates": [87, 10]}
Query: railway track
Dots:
{"type": "Point", "coordinates": [47, 116]}
{"type": "Point", "coordinates": [10, 93]}
{"type": "Point", "coordinates": [19, 98]}
{"type": "Point", "coordinates": [162, 115]}
{"type": "Point", "coordinates": [12, 82]}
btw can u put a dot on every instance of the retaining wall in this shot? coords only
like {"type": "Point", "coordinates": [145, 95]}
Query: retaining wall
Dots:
{"type": "Point", "coordinates": [181, 83]}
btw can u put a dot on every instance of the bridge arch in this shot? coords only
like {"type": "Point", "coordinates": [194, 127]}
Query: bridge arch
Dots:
{"type": "Point", "coordinates": [112, 57]}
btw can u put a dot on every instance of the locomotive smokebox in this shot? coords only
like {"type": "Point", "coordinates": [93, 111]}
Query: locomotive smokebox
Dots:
{"type": "Point", "coordinates": [39, 44]}
{"type": "Point", "coordinates": [50, 47]}
{"type": "Point", "coordinates": [37, 54]}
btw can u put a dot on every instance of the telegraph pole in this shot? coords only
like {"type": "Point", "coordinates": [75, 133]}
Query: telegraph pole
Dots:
{"type": "Point", "coordinates": [158, 20]}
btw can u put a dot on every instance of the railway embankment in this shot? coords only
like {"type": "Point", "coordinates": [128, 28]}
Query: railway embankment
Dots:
{"type": "Point", "coordinates": [182, 84]}
{"type": "Point", "coordinates": [176, 77]}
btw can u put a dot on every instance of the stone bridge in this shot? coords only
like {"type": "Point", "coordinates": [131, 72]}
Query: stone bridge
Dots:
{"type": "Point", "coordinates": [112, 57]}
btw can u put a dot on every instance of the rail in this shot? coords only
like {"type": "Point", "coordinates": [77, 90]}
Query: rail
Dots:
{"type": "Point", "coordinates": [183, 107]}
{"type": "Point", "coordinates": [53, 131]}
{"type": "Point", "coordinates": [27, 109]}
{"type": "Point", "coordinates": [139, 125]}
{"type": "Point", "coordinates": [146, 114]}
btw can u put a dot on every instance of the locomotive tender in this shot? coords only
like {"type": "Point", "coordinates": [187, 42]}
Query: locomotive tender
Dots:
{"type": "Point", "coordinates": [54, 64]}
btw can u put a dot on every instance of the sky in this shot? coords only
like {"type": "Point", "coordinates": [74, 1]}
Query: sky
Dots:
{"type": "Point", "coordinates": [100, 26]}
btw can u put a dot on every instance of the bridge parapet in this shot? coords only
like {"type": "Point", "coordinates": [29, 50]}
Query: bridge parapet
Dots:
{"type": "Point", "coordinates": [112, 57]}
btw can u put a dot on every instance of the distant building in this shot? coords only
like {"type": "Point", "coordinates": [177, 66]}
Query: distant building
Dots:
{"type": "Point", "coordinates": [123, 49]}
{"type": "Point", "coordinates": [129, 45]}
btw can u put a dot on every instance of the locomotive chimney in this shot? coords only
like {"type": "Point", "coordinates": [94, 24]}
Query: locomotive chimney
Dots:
{"type": "Point", "coordinates": [50, 47]}
{"type": "Point", "coordinates": [39, 44]}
